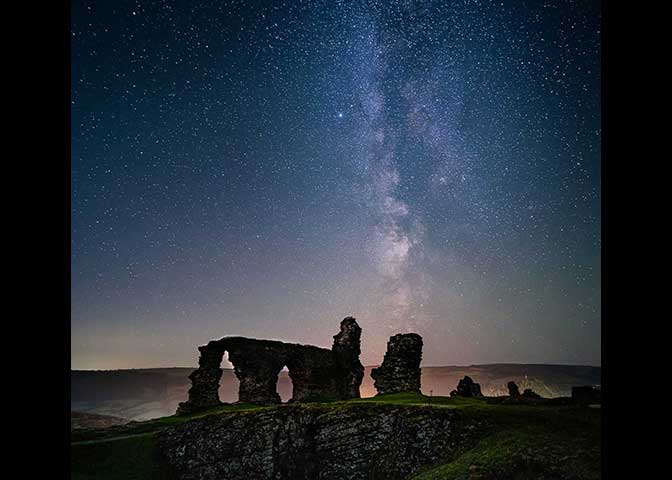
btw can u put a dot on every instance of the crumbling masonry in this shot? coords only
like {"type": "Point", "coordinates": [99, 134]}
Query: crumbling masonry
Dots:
{"type": "Point", "coordinates": [400, 371]}
{"type": "Point", "coordinates": [316, 372]}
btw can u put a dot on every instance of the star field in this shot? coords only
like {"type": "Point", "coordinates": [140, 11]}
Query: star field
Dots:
{"type": "Point", "coordinates": [268, 168]}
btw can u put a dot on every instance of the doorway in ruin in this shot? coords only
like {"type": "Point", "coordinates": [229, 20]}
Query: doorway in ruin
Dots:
{"type": "Point", "coordinates": [229, 383]}
{"type": "Point", "coordinates": [285, 387]}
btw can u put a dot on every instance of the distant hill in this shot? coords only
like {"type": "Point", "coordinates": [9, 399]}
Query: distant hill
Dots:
{"type": "Point", "coordinates": [93, 420]}
{"type": "Point", "coordinates": [144, 394]}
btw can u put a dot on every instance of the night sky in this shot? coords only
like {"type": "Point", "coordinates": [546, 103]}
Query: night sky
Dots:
{"type": "Point", "coordinates": [267, 168]}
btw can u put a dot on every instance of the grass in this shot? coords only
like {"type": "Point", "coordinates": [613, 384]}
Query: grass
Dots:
{"type": "Point", "coordinates": [521, 441]}
{"type": "Point", "coordinates": [525, 453]}
{"type": "Point", "coordinates": [136, 458]}
{"type": "Point", "coordinates": [540, 441]}
{"type": "Point", "coordinates": [546, 440]}
{"type": "Point", "coordinates": [130, 452]}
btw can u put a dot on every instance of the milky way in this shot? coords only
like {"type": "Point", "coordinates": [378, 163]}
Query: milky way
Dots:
{"type": "Point", "coordinates": [266, 169]}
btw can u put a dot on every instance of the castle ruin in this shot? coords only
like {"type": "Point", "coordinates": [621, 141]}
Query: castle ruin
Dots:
{"type": "Point", "coordinates": [316, 373]}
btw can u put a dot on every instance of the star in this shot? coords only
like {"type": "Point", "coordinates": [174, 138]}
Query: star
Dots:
{"type": "Point", "coordinates": [267, 170]}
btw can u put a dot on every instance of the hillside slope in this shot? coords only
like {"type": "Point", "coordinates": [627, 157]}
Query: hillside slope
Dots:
{"type": "Point", "coordinates": [80, 420]}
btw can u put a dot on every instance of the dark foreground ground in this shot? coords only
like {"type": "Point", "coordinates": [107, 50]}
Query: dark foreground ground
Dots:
{"type": "Point", "coordinates": [548, 439]}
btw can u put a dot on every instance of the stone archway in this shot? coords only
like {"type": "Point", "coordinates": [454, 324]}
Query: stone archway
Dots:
{"type": "Point", "coordinates": [316, 373]}
{"type": "Point", "coordinates": [258, 374]}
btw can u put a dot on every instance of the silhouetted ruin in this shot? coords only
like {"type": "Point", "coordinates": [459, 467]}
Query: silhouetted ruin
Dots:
{"type": "Point", "coordinates": [346, 349]}
{"type": "Point", "coordinates": [315, 372]}
{"type": "Point", "coordinates": [467, 388]}
{"type": "Point", "coordinates": [529, 393]}
{"type": "Point", "coordinates": [514, 391]}
{"type": "Point", "coordinates": [400, 370]}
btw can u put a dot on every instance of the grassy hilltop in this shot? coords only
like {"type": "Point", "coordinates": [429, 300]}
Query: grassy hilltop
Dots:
{"type": "Point", "coordinates": [549, 439]}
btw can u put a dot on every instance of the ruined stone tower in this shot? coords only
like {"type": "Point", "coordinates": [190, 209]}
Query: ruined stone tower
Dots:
{"type": "Point", "coordinates": [400, 371]}
{"type": "Point", "coordinates": [346, 348]}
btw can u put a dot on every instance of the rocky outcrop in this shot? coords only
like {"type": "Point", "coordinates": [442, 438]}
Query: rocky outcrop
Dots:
{"type": "Point", "coordinates": [300, 442]}
{"type": "Point", "coordinates": [316, 373]}
{"type": "Point", "coordinates": [467, 388]}
{"type": "Point", "coordinates": [400, 370]}
{"type": "Point", "coordinates": [514, 391]}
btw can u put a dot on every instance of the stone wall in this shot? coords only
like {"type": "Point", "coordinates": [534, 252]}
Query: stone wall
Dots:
{"type": "Point", "coordinates": [316, 373]}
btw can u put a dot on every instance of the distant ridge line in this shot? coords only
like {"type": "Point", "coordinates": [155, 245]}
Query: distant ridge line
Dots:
{"type": "Point", "coordinates": [474, 365]}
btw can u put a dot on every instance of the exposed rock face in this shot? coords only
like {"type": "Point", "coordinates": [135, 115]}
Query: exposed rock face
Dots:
{"type": "Point", "coordinates": [400, 370]}
{"type": "Point", "coordinates": [301, 443]}
{"type": "Point", "coordinates": [587, 394]}
{"type": "Point", "coordinates": [467, 388]}
{"type": "Point", "coordinates": [315, 372]}
{"type": "Point", "coordinates": [514, 391]}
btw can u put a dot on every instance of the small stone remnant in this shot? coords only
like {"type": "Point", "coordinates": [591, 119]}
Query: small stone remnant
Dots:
{"type": "Point", "coordinates": [513, 389]}
{"type": "Point", "coordinates": [467, 388]}
{"type": "Point", "coordinates": [587, 394]}
{"type": "Point", "coordinates": [529, 393]}
{"type": "Point", "coordinates": [400, 370]}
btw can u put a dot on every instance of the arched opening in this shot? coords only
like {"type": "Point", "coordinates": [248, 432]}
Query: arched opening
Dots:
{"type": "Point", "coordinates": [229, 383]}
{"type": "Point", "coordinates": [285, 386]}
